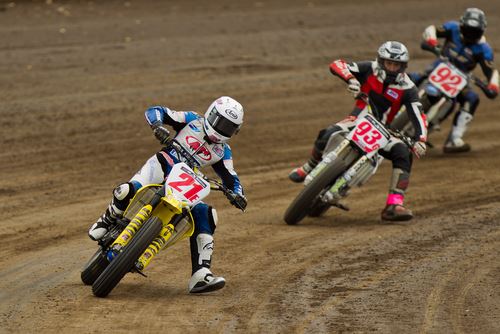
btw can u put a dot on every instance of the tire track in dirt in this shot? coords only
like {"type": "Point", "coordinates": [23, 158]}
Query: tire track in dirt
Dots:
{"type": "Point", "coordinates": [74, 100]}
{"type": "Point", "coordinates": [447, 300]}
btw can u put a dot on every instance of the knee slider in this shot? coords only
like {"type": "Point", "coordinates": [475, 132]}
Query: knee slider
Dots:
{"type": "Point", "coordinates": [122, 195]}
{"type": "Point", "coordinates": [324, 136]}
{"type": "Point", "coordinates": [123, 191]}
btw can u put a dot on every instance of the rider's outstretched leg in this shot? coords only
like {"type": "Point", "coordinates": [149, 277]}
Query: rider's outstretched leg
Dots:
{"type": "Point", "coordinates": [202, 246]}
{"type": "Point", "coordinates": [400, 179]}
{"type": "Point", "coordinates": [394, 209]}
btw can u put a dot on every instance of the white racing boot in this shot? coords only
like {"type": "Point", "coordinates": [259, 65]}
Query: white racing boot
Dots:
{"type": "Point", "coordinates": [455, 143]}
{"type": "Point", "coordinates": [204, 281]}
{"type": "Point", "coordinates": [101, 227]}
{"type": "Point", "coordinates": [201, 255]}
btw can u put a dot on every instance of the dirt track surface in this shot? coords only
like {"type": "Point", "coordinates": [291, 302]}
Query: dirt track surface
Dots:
{"type": "Point", "coordinates": [75, 80]}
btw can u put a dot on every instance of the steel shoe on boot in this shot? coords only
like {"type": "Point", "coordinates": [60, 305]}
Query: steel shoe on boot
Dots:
{"type": "Point", "coordinates": [204, 281]}
{"type": "Point", "coordinates": [299, 174]}
{"type": "Point", "coordinates": [101, 227]}
{"type": "Point", "coordinates": [395, 212]}
{"type": "Point", "coordinates": [456, 146]}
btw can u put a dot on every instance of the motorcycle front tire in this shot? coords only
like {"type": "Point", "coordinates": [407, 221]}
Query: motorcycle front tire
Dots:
{"type": "Point", "coordinates": [125, 261]}
{"type": "Point", "coordinates": [302, 204]}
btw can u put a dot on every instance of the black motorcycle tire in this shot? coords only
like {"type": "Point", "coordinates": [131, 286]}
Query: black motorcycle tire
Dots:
{"type": "Point", "coordinates": [302, 204]}
{"type": "Point", "coordinates": [125, 261]}
{"type": "Point", "coordinates": [94, 268]}
{"type": "Point", "coordinates": [318, 208]}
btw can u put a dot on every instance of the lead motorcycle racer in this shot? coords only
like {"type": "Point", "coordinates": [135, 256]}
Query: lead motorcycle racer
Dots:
{"type": "Point", "coordinates": [204, 143]}
{"type": "Point", "coordinates": [388, 88]}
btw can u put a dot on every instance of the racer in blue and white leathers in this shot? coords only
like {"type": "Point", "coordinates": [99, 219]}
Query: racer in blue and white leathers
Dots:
{"type": "Point", "coordinates": [203, 142]}
{"type": "Point", "coordinates": [465, 46]}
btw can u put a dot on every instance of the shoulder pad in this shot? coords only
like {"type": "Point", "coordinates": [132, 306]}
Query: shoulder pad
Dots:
{"type": "Point", "coordinates": [451, 25]}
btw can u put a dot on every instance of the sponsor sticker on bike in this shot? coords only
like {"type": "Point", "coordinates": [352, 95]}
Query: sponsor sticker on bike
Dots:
{"type": "Point", "coordinates": [448, 79]}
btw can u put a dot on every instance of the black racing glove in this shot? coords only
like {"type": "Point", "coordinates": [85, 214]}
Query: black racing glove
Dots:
{"type": "Point", "coordinates": [238, 201]}
{"type": "Point", "coordinates": [161, 132]}
{"type": "Point", "coordinates": [490, 93]}
{"type": "Point", "coordinates": [436, 50]}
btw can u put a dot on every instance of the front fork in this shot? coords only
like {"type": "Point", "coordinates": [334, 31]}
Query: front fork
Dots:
{"type": "Point", "coordinates": [158, 243]}
{"type": "Point", "coordinates": [168, 209]}
{"type": "Point", "coordinates": [129, 231]}
{"type": "Point", "coordinates": [339, 152]}
{"type": "Point", "coordinates": [356, 175]}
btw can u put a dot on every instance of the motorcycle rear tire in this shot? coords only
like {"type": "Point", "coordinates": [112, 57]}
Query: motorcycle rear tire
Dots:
{"type": "Point", "coordinates": [94, 268]}
{"type": "Point", "coordinates": [302, 204]}
{"type": "Point", "coordinates": [125, 261]}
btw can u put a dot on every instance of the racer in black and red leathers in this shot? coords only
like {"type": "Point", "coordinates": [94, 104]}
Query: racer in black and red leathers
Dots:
{"type": "Point", "coordinates": [465, 46]}
{"type": "Point", "coordinates": [388, 88]}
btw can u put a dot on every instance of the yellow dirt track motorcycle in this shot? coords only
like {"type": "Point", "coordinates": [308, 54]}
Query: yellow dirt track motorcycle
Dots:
{"type": "Point", "coordinates": [157, 217]}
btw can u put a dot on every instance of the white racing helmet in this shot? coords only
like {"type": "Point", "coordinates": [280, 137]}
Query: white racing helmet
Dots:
{"type": "Point", "coordinates": [396, 52]}
{"type": "Point", "coordinates": [223, 119]}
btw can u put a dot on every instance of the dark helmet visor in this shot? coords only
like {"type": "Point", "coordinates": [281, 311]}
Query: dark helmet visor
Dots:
{"type": "Point", "coordinates": [221, 124]}
{"type": "Point", "coordinates": [471, 34]}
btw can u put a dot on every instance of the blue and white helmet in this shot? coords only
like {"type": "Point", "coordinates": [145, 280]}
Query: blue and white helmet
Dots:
{"type": "Point", "coordinates": [223, 119]}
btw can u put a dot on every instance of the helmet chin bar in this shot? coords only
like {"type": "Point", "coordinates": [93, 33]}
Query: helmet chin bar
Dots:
{"type": "Point", "coordinates": [207, 139]}
{"type": "Point", "coordinates": [389, 77]}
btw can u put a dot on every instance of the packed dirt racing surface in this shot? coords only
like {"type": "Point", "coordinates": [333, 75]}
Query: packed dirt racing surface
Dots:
{"type": "Point", "coordinates": [76, 78]}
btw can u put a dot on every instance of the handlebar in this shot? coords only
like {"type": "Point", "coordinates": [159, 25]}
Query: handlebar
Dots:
{"type": "Point", "coordinates": [231, 195]}
{"type": "Point", "coordinates": [405, 139]}
{"type": "Point", "coordinates": [181, 152]}
{"type": "Point", "coordinates": [214, 184]}
{"type": "Point", "coordinates": [218, 186]}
